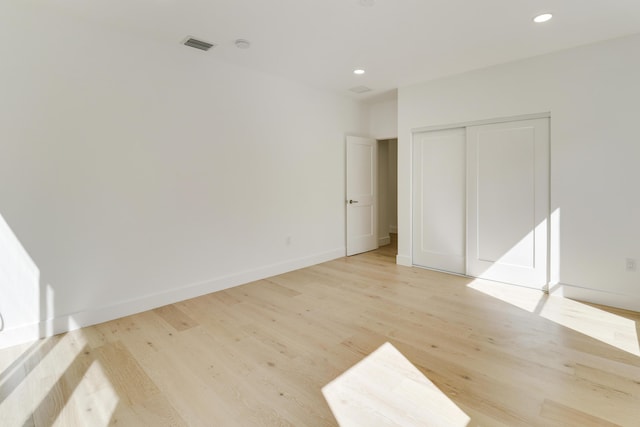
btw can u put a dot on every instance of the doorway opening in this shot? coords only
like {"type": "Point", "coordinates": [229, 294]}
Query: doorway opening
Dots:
{"type": "Point", "coordinates": [388, 193]}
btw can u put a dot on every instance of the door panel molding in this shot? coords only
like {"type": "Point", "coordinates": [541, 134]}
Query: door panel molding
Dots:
{"type": "Point", "coordinates": [508, 202]}
{"type": "Point", "coordinates": [438, 192]}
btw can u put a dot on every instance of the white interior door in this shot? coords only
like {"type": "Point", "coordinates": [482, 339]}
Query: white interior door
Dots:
{"type": "Point", "coordinates": [362, 209]}
{"type": "Point", "coordinates": [439, 200]}
{"type": "Point", "coordinates": [508, 201]}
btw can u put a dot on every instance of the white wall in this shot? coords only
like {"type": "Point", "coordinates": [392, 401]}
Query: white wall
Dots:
{"type": "Point", "coordinates": [592, 93]}
{"type": "Point", "coordinates": [383, 116]}
{"type": "Point", "coordinates": [135, 173]}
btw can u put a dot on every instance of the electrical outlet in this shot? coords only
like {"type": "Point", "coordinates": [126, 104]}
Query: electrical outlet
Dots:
{"type": "Point", "coordinates": [288, 240]}
{"type": "Point", "coordinates": [631, 264]}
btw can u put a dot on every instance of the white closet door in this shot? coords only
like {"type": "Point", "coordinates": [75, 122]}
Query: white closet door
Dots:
{"type": "Point", "coordinates": [508, 201]}
{"type": "Point", "coordinates": [439, 200]}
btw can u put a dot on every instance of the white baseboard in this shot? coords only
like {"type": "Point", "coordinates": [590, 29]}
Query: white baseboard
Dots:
{"type": "Point", "coordinates": [404, 260]}
{"type": "Point", "coordinates": [384, 240]}
{"type": "Point", "coordinates": [92, 316]}
{"type": "Point", "coordinates": [393, 229]}
{"type": "Point", "coordinates": [596, 296]}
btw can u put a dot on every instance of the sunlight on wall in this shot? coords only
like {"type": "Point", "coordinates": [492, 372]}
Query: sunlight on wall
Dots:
{"type": "Point", "coordinates": [19, 282]}
{"type": "Point", "coordinates": [524, 263]}
{"type": "Point", "coordinates": [49, 309]}
{"type": "Point", "coordinates": [554, 247]}
{"type": "Point", "coordinates": [593, 322]}
{"type": "Point", "coordinates": [386, 389]}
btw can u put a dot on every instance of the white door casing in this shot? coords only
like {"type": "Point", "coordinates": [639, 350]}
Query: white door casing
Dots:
{"type": "Point", "coordinates": [439, 218]}
{"type": "Point", "coordinates": [361, 201]}
{"type": "Point", "coordinates": [508, 202]}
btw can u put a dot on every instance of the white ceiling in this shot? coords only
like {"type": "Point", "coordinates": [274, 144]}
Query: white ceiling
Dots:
{"type": "Point", "coordinates": [398, 42]}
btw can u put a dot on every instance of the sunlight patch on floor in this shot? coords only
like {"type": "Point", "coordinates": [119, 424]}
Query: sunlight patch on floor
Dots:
{"type": "Point", "coordinates": [385, 389]}
{"type": "Point", "coordinates": [64, 386]}
{"type": "Point", "coordinates": [599, 324]}
{"type": "Point", "coordinates": [24, 393]}
{"type": "Point", "coordinates": [596, 323]}
{"type": "Point", "coordinates": [524, 298]}
{"type": "Point", "coordinates": [93, 401]}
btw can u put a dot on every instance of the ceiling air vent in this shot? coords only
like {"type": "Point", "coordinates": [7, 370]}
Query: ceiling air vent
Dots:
{"type": "Point", "coordinates": [198, 44]}
{"type": "Point", "coordinates": [360, 89]}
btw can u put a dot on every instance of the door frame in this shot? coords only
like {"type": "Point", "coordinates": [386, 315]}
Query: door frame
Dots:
{"type": "Point", "coordinates": [546, 115]}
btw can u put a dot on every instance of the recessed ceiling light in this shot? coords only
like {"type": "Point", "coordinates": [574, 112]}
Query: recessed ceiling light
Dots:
{"type": "Point", "coordinates": [358, 72]}
{"type": "Point", "coordinates": [367, 3]}
{"type": "Point", "coordinates": [542, 18]}
{"type": "Point", "coordinates": [243, 44]}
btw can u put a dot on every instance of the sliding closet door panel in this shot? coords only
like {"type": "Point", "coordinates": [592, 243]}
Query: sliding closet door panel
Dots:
{"type": "Point", "coordinates": [506, 196]}
{"type": "Point", "coordinates": [508, 201]}
{"type": "Point", "coordinates": [439, 200]}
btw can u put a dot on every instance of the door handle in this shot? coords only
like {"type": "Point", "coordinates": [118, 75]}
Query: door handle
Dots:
{"type": "Point", "coordinates": [352, 201]}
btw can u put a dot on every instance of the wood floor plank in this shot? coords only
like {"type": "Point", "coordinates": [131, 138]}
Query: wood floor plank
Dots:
{"type": "Point", "coordinates": [175, 317]}
{"type": "Point", "coordinates": [565, 415]}
{"type": "Point", "coordinates": [128, 378]}
{"type": "Point", "coordinates": [260, 354]}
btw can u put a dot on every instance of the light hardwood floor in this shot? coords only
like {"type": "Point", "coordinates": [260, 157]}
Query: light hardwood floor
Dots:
{"type": "Point", "coordinates": [260, 354]}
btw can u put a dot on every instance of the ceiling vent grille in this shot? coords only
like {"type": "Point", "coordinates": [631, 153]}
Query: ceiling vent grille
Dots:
{"type": "Point", "coordinates": [198, 44]}
{"type": "Point", "coordinates": [360, 89]}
